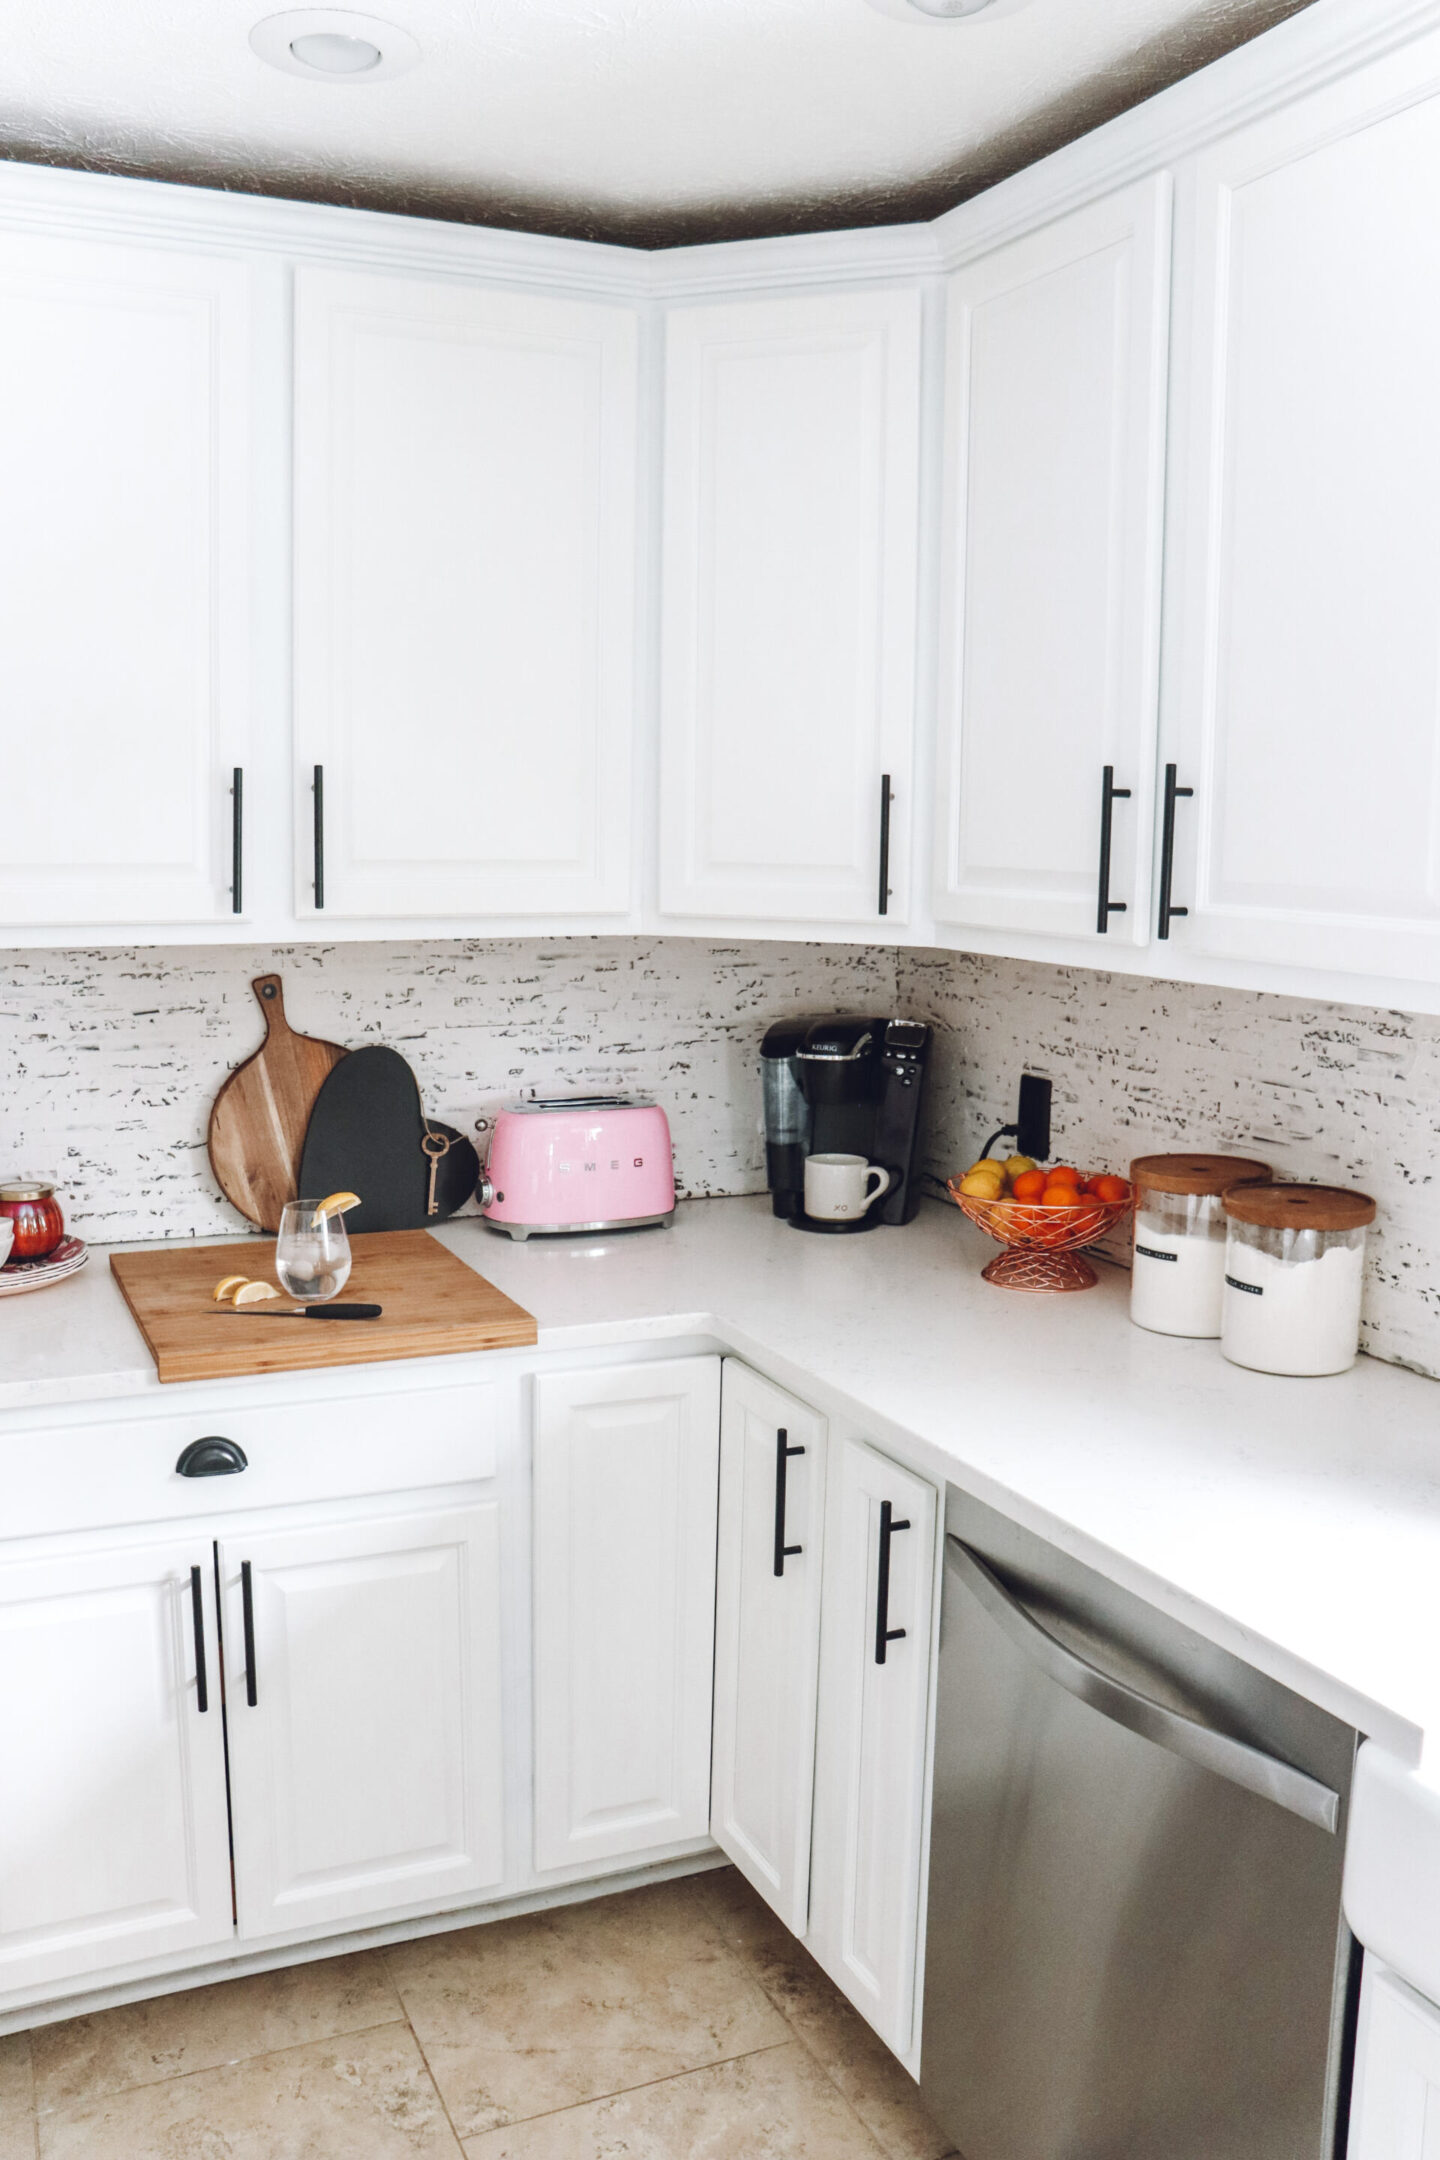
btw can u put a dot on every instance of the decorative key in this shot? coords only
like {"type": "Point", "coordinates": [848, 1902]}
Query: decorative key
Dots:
{"type": "Point", "coordinates": [436, 1146]}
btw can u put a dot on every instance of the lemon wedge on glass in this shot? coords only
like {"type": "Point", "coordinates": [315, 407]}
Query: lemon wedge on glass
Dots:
{"type": "Point", "coordinates": [226, 1289]}
{"type": "Point", "coordinates": [336, 1204]}
{"type": "Point", "coordinates": [255, 1293]}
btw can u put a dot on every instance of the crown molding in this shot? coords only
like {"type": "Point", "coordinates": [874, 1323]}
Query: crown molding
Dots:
{"type": "Point", "coordinates": [1301, 54]}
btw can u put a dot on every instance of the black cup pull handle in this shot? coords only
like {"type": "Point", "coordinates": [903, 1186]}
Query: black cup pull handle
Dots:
{"type": "Point", "coordinates": [886, 798]}
{"type": "Point", "coordinates": [783, 1452]}
{"type": "Point", "coordinates": [197, 1622]}
{"type": "Point", "coordinates": [1168, 909]}
{"type": "Point", "coordinates": [1109, 796]}
{"type": "Point", "coordinates": [317, 789]}
{"type": "Point", "coordinates": [237, 840]}
{"type": "Point", "coordinates": [214, 1456]}
{"type": "Point", "coordinates": [247, 1614]}
{"type": "Point", "coordinates": [884, 1633]}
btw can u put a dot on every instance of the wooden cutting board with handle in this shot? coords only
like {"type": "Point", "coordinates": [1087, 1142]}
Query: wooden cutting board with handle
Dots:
{"type": "Point", "coordinates": [260, 1116]}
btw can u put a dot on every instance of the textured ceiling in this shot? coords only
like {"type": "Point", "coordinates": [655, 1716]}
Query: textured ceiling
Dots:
{"type": "Point", "coordinates": [647, 121]}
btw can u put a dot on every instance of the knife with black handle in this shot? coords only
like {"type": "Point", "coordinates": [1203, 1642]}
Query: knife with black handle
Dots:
{"type": "Point", "coordinates": [307, 1312]}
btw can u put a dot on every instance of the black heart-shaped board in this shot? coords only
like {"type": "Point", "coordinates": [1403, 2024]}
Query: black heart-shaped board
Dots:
{"type": "Point", "coordinates": [365, 1135]}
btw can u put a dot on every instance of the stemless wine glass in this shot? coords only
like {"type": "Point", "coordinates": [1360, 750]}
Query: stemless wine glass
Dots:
{"type": "Point", "coordinates": [312, 1259]}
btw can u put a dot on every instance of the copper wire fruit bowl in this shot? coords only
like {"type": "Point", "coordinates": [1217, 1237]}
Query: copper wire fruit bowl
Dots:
{"type": "Point", "coordinates": [1041, 1242]}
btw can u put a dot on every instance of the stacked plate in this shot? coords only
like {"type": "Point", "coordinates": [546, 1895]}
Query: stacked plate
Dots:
{"type": "Point", "coordinates": [17, 1275]}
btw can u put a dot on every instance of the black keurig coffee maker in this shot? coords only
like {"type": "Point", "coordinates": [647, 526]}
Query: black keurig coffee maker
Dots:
{"type": "Point", "coordinates": [844, 1086]}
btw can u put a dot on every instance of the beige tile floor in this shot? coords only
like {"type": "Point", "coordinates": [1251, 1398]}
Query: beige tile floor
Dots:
{"type": "Point", "coordinates": [680, 2022]}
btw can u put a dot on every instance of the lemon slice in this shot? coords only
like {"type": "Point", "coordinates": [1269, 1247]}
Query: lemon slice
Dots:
{"type": "Point", "coordinates": [335, 1205]}
{"type": "Point", "coordinates": [224, 1291]}
{"type": "Point", "coordinates": [255, 1293]}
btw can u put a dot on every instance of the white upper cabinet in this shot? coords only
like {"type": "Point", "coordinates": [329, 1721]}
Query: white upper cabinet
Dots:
{"type": "Point", "coordinates": [362, 1666]}
{"type": "Point", "coordinates": [1054, 458]}
{"type": "Point", "coordinates": [767, 1636]}
{"type": "Point", "coordinates": [624, 1497]}
{"type": "Point", "coordinates": [1303, 702]}
{"type": "Point", "coordinates": [464, 597]}
{"type": "Point", "coordinates": [125, 578]}
{"type": "Point", "coordinates": [789, 605]}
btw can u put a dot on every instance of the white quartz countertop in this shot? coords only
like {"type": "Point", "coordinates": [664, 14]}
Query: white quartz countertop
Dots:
{"type": "Point", "coordinates": [1295, 1521]}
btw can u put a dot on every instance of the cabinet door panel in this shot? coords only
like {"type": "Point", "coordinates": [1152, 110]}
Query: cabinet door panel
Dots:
{"type": "Point", "coordinates": [1305, 709]}
{"type": "Point", "coordinates": [114, 1845]}
{"type": "Point", "coordinates": [465, 544]}
{"type": "Point", "coordinates": [789, 603]}
{"type": "Point", "coordinates": [767, 1637]}
{"type": "Point", "coordinates": [367, 1774]}
{"type": "Point", "coordinates": [625, 1503]}
{"type": "Point", "coordinates": [1056, 349]}
{"type": "Point", "coordinates": [1396, 2110]}
{"type": "Point", "coordinates": [870, 1756]}
{"type": "Point", "coordinates": [125, 575]}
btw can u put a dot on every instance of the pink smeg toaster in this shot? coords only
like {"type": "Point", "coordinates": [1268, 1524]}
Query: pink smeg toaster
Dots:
{"type": "Point", "coordinates": [589, 1162]}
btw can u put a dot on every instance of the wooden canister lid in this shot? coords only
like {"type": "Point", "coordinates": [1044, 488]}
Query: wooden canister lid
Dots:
{"type": "Point", "coordinates": [1300, 1207]}
{"type": "Point", "coordinates": [1195, 1173]}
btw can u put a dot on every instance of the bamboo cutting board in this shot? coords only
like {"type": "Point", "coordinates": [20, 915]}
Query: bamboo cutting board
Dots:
{"type": "Point", "coordinates": [433, 1303]}
{"type": "Point", "coordinates": [259, 1117]}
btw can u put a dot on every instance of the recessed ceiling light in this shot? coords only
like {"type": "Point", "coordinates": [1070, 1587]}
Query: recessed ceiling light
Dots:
{"type": "Point", "coordinates": [947, 10]}
{"type": "Point", "coordinates": [334, 45]}
{"type": "Point", "coordinates": [942, 11]}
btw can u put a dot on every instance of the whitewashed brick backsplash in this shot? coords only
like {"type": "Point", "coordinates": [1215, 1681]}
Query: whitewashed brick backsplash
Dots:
{"type": "Point", "coordinates": [1327, 1094]}
{"type": "Point", "coordinates": [109, 1062]}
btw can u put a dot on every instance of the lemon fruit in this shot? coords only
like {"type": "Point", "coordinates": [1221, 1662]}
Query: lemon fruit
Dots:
{"type": "Point", "coordinates": [982, 1184]}
{"type": "Point", "coordinates": [255, 1293]}
{"type": "Point", "coordinates": [226, 1289]}
{"type": "Point", "coordinates": [336, 1204]}
{"type": "Point", "coordinates": [1017, 1165]}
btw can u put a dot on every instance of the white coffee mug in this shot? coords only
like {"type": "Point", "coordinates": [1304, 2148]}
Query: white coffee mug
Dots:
{"type": "Point", "coordinates": [839, 1188]}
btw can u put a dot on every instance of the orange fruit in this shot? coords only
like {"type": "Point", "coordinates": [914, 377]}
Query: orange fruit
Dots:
{"type": "Point", "coordinates": [1111, 1189]}
{"type": "Point", "coordinates": [1029, 1185]}
{"type": "Point", "coordinates": [1062, 1195]}
{"type": "Point", "coordinates": [1062, 1174]}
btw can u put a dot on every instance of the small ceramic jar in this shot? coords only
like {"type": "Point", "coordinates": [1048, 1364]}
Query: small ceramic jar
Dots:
{"type": "Point", "coordinates": [1178, 1274]}
{"type": "Point", "coordinates": [35, 1213]}
{"type": "Point", "coordinates": [1294, 1263]}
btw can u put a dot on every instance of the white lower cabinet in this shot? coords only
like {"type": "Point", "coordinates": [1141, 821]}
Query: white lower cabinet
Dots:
{"type": "Point", "coordinates": [1395, 2113]}
{"type": "Point", "coordinates": [767, 1636]}
{"type": "Point", "coordinates": [871, 1739]}
{"type": "Point", "coordinates": [363, 1687]}
{"type": "Point", "coordinates": [624, 1603]}
{"type": "Point", "coordinates": [113, 1839]}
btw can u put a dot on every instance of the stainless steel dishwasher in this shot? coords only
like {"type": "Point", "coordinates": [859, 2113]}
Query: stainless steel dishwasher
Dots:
{"type": "Point", "coordinates": [1134, 1949]}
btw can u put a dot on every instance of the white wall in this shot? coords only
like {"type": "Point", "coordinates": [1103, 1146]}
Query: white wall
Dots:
{"type": "Point", "coordinates": [109, 1061]}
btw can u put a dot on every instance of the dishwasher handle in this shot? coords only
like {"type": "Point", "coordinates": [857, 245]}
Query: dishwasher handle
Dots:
{"type": "Point", "coordinates": [1200, 1744]}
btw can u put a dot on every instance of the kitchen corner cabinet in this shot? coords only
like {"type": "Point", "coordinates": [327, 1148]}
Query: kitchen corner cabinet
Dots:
{"type": "Point", "coordinates": [114, 1843]}
{"type": "Point", "coordinates": [789, 606]}
{"type": "Point", "coordinates": [1303, 705]}
{"type": "Point", "coordinates": [624, 1496]}
{"type": "Point", "coordinates": [871, 1752]}
{"type": "Point", "coordinates": [126, 574]}
{"type": "Point", "coordinates": [767, 1636]}
{"type": "Point", "coordinates": [1054, 457]}
{"type": "Point", "coordinates": [465, 549]}
{"type": "Point", "coordinates": [362, 1669]}
{"type": "Point", "coordinates": [1395, 2112]}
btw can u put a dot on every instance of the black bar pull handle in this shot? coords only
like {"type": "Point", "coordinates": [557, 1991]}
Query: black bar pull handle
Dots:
{"type": "Point", "coordinates": [1168, 909]}
{"type": "Point", "coordinates": [783, 1452]}
{"type": "Point", "coordinates": [317, 789]}
{"type": "Point", "coordinates": [1109, 796]}
{"type": "Point", "coordinates": [886, 798]}
{"type": "Point", "coordinates": [884, 1633]}
{"type": "Point", "coordinates": [237, 840]}
{"type": "Point", "coordinates": [247, 1610]}
{"type": "Point", "coordinates": [197, 1622]}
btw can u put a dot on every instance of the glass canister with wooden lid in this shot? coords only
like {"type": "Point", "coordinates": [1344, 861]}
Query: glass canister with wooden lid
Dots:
{"type": "Point", "coordinates": [1294, 1266]}
{"type": "Point", "coordinates": [1177, 1280]}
